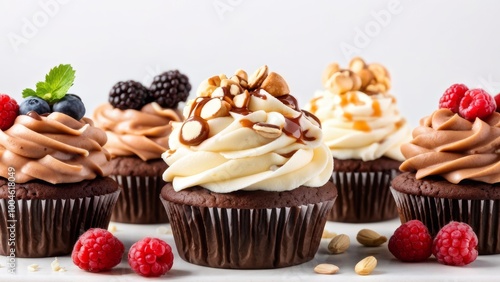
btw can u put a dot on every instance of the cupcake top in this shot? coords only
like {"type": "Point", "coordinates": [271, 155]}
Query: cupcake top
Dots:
{"type": "Point", "coordinates": [460, 140]}
{"type": "Point", "coordinates": [360, 119]}
{"type": "Point", "coordinates": [49, 139]}
{"type": "Point", "coordinates": [246, 133]}
{"type": "Point", "coordinates": [137, 119]}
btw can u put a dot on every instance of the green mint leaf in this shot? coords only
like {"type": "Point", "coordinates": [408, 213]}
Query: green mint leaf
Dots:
{"type": "Point", "coordinates": [28, 92]}
{"type": "Point", "coordinates": [57, 83]}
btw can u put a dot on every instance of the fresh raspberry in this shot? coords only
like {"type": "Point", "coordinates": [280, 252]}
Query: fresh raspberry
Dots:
{"type": "Point", "coordinates": [97, 250]}
{"type": "Point", "coordinates": [455, 244]}
{"type": "Point", "coordinates": [452, 96]}
{"type": "Point", "coordinates": [150, 257]}
{"type": "Point", "coordinates": [8, 111]}
{"type": "Point", "coordinates": [497, 100]}
{"type": "Point", "coordinates": [476, 103]}
{"type": "Point", "coordinates": [411, 242]}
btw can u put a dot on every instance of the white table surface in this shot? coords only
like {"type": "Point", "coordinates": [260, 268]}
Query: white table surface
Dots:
{"type": "Point", "coordinates": [485, 268]}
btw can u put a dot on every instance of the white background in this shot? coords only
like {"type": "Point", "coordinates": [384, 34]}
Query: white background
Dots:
{"type": "Point", "coordinates": [426, 45]}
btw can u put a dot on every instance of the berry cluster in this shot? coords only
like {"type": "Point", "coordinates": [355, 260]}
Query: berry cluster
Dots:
{"type": "Point", "coordinates": [98, 250]}
{"type": "Point", "coordinates": [469, 103]}
{"type": "Point", "coordinates": [455, 244]}
{"type": "Point", "coordinates": [70, 104]}
{"type": "Point", "coordinates": [167, 89]}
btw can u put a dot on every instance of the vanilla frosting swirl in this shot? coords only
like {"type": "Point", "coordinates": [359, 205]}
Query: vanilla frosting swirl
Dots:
{"type": "Point", "coordinates": [143, 133]}
{"type": "Point", "coordinates": [267, 144]}
{"type": "Point", "coordinates": [360, 126]}
{"type": "Point", "coordinates": [448, 145]}
{"type": "Point", "coordinates": [54, 148]}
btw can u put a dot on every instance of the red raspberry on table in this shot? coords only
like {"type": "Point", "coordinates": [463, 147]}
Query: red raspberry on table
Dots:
{"type": "Point", "coordinates": [411, 242]}
{"type": "Point", "coordinates": [452, 96]}
{"type": "Point", "coordinates": [455, 244]}
{"type": "Point", "coordinates": [9, 110]}
{"type": "Point", "coordinates": [150, 257]}
{"type": "Point", "coordinates": [97, 250]}
{"type": "Point", "coordinates": [476, 103]}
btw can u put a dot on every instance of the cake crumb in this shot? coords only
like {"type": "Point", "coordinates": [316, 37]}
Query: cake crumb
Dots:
{"type": "Point", "coordinates": [163, 230]}
{"type": "Point", "coordinates": [33, 267]}
{"type": "Point", "coordinates": [56, 266]}
{"type": "Point", "coordinates": [328, 235]}
{"type": "Point", "coordinates": [112, 228]}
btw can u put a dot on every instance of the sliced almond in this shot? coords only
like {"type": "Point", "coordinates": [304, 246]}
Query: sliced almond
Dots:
{"type": "Point", "coordinates": [366, 265]}
{"type": "Point", "coordinates": [256, 79]}
{"type": "Point", "coordinates": [206, 88]}
{"type": "Point", "coordinates": [339, 244]}
{"type": "Point", "coordinates": [329, 71]}
{"type": "Point", "coordinates": [242, 74]}
{"type": "Point", "coordinates": [267, 130]}
{"type": "Point", "coordinates": [194, 131]}
{"type": "Point", "coordinates": [357, 64]}
{"type": "Point", "coordinates": [233, 86]}
{"type": "Point", "coordinates": [275, 85]}
{"type": "Point", "coordinates": [326, 268]}
{"type": "Point", "coordinates": [242, 100]}
{"type": "Point", "coordinates": [214, 108]}
{"type": "Point", "coordinates": [370, 238]}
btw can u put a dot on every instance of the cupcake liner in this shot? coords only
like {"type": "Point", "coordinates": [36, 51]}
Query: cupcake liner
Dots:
{"type": "Point", "coordinates": [247, 238]}
{"type": "Point", "coordinates": [51, 227]}
{"type": "Point", "coordinates": [482, 215]}
{"type": "Point", "coordinates": [363, 196]}
{"type": "Point", "coordinates": [139, 202]}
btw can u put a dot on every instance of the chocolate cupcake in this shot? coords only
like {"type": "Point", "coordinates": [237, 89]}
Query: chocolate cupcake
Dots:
{"type": "Point", "coordinates": [53, 173]}
{"type": "Point", "coordinates": [138, 126]}
{"type": "Point", "coordinates": [248, 176]}
{"type": "Point", "coordinates": [452, 170]}
{"type": "Point", "coordinates": [364, 130]}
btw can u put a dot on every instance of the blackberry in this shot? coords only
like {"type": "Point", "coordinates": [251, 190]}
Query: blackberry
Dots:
{"type": "Point", "coordinates": [170, 88]}
{"type": "Point", "coordinates": [128, 95]}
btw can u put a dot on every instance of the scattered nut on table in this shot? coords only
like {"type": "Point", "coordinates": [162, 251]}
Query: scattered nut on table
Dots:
{"type": "Point", "coordinates": [370, 238]}
{"type": "Point", "coordinates": [326, 268]}
{"type": "Point", "coordinates": [339, 244]}
{"type": "Point", "coordinates": [366, 265]}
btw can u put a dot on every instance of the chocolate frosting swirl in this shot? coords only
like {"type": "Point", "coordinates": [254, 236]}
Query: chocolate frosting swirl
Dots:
{"type": "Point", "coordinates": [448, 145]}
{"type": "Point", "coordinates": [54, 148]}
{"type": "Point", "coordinates": [141, 133]}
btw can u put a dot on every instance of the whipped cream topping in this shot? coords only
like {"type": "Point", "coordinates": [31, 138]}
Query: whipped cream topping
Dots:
{"type": "Point", "coordinates": [54, 148]}
{"type": "Point", "coordinates": [143, 133]}
{"type": "Point", "coordinates": [360, 126]}
{"type": "Point", "coordinates": [244, 138]}
{"type": "Point", "coordinates": [450, 146]}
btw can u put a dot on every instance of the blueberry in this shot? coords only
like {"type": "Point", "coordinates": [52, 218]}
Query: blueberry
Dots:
{"type": "Point", "coordinates": [36, 104]}
{"type": "Point", "coordinates": [71, 105]}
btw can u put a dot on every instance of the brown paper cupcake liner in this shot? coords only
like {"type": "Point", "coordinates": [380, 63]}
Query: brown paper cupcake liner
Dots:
{"type": "Point", "coordinates": [363, 197]}
{"type": "Point", "coordinates": [247, 238]}
{"type": "Point", "coordinates": [51, 227]}
{"type": "Point", "coordinates": [139, 202]}
{"type": "Point", "coordinates": [482, 215]}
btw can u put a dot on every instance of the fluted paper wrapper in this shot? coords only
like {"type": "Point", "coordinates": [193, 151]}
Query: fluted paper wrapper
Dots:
{"type": "Point", "coordinates": [51, 227]}
{"type": "Point", "coordinates": [139, 202]}
{"type": "Point", "coordinates": [482, 215]}
{"type": "Point", "coordinates": [247, 238]}
{"type": "Point", "coordinates": [363, 197]}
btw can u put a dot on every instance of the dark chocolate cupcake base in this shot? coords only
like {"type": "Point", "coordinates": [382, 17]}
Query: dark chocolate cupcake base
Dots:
{"type": "Point", "coordinates": [48, 219]}
{"type": "Point", "coordinates": [248, 230]}
{"type": "Point", "coordinates": [141, 183]}
{"type": "Point", "coordinates": [363, 188]}
{"type": "Point", "coordinates": [436, 202]}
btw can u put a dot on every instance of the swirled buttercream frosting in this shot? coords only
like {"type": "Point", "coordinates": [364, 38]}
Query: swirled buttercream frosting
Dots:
{"type": "Point", "coordinates": [54, 148]}
{"type": "Point", "coordinates": [246, 133]}
{"type": "Point", "coordinates": [360, 119]}
{"type": "Point", "coordinates": [143, 133]}
{"type": "Point", "coordinates": [447, 145]}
